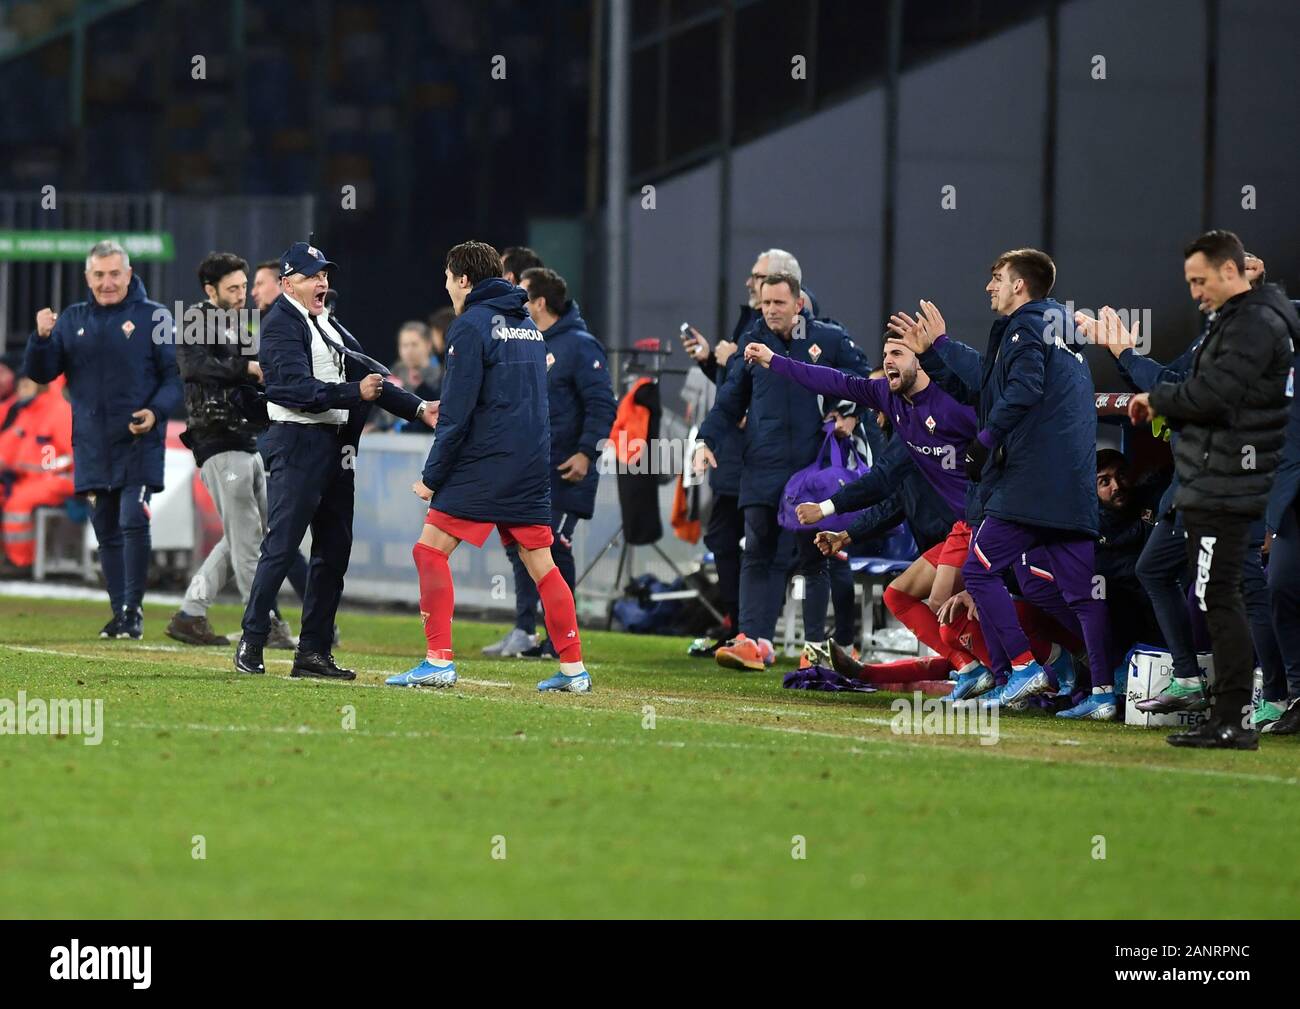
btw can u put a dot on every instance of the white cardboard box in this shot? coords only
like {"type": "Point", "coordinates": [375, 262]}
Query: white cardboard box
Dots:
{"type": "Point", "coordinates": [1150, 670]}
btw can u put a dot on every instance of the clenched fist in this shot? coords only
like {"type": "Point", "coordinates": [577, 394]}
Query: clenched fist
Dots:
{"type": "Point", "coordinates": [45, 320]}
{"type": "Point", "coordinates": [370, 386]}
{"type": "Point", "coordinates": [809, 514]}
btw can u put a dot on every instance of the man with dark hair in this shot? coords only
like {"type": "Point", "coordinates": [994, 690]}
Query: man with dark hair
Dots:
{"type": "Point", "coordinates": [1162, 567]}
{"type": "Point", "coordinates": [784, 434]}
{"type": "Point", "coordinates": [319, 391]}
{"type": "Point", "coordinates": [516, 259]}
{"type": "Point", "coordinates": [490, 465]}
{"type": "Point", "coordinates": [117, 351]}
{"type": "Point", "coordinates": [266, 284]}
{"type": "Point", "coordinates": [1124, 525]}
{"type": "Point", "coordinates": [935, 427]}
{"type": "Point", "coordinates": [1034, 404]}
{"type": "Point", "coordinates": [581, 410]}
{"type": "Point", "coordinates": [1230, 413]}
{"type": "Point", "coordinates": [218, 369]}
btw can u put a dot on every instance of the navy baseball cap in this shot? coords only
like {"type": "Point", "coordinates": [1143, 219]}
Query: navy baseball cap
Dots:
{"type": "Point", "coordinates": [304, 258]}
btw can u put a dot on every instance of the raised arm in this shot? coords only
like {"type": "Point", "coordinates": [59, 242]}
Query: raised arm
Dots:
{"type": "Point", "coordinates": [826, 381]}
{"type": "Point", "coordinates": [45, 360]}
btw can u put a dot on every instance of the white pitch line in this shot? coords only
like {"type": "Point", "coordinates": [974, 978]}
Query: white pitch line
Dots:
{"type": "Point", "coordinates": [898, 744]}
{"type": "Point", "coordinates": [132, 657]}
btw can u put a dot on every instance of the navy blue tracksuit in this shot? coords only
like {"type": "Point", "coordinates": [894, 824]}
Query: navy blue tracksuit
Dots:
{"type": "Point", "coordinates": [581, 405]}
{"type": "Point", "coordinates": [783, 434]}
{"type": "Point", "coordinates": [310, 471]}
{"type": "Point", "coordinates": [118, 359]}
{"type": "Point", "coordinates": [490, 460]}
{"type": "Point", "coordinates": [726, 524]}
{"type": "Point", "coordinates": [1034, 399]}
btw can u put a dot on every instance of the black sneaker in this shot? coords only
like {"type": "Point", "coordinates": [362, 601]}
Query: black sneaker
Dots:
{"type": "Point", "coordinates": [193, 631]}
{"type": "Point", "coordinates": [843, 662]}
{"type": "Point", "coordinates": [318, 666]}
{"type": "Point", "coordinates": [113, 628]}
{"type": "Point", "coordinates": [132, 625]}
{"type": "Point", "coordinates": [542, 650]}
{"type": "Point", "coordinates": [248, 658]}
{"type": "Point", "coordinates": [703, 648]}
{"type": "Point", "coordinates": [1289, 723]}
{"type": "Point", "coordinates": [1212, 736]}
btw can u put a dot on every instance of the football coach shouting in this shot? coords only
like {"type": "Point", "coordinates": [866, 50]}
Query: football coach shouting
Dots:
{"type": "Point", "coordinates": [319, 391]}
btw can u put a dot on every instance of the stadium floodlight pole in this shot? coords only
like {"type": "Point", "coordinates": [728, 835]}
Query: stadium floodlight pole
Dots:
{"type": "Point", "coordinates": [616, 117]}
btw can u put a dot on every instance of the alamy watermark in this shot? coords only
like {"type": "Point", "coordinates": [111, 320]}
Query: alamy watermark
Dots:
{"type": "Point", "coordinates": [1064, 328]}
{"type": "Point", "coordinates": [206, 325]}
{"type": "Point", "coordinates": [59, 716]}
{"type": "Point", "coordinates": [919, 715]}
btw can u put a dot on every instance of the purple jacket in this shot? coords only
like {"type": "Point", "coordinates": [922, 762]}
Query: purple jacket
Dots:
{"type": "Point", "coordinates": [934, 426]}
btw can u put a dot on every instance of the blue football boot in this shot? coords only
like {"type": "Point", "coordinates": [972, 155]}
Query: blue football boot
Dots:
{"type": "Point", "coordinates": [1031, 680]}
{"type": "Point", "coordinates": [426, 674]}
{"type": "Point", "coordinates": [1098, 707]}
{"type": "Point", "coordinates": [578, 683]}
{"type": "Point", "coordinates": [972, 684]}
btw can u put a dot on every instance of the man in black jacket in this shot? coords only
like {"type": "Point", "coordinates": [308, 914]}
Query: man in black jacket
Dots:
{"type": "Point", "coordinates": [215, 356]}
{"type": "Point", "coordinates": [1231, 414]}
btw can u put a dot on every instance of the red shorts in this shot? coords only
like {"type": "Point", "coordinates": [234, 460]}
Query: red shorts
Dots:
{"type": "Point", "coordinates": [952, 551]}
{"type": "Point", "coordinates": [528, 537]}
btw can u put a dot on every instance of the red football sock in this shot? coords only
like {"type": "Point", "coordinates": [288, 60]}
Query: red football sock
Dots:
{"type": "Point", "coordinates": [965, 633]}
{"type": "Point", "coordinates": [437, 599]}
{"type": "Point", "coordinates": [917, 617]}
{"type": "Point", "coordinates": [932, 667]}
{"type": "Point", "coordinates": [561, 617]}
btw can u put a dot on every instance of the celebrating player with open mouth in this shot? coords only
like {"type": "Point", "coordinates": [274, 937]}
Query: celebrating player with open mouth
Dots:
{"type": "Point", "coordinates": [490, 464]}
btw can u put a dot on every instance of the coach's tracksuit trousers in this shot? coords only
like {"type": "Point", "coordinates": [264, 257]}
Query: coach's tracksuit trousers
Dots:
{"type": "Point", "coordinates": [121, 521]}
{"type": "Point", "coordinates": [310, 483]}
{"type": "Point", "coordinates": [1216, 549]}
{"type": "Point", "coordinates": [765, 568]}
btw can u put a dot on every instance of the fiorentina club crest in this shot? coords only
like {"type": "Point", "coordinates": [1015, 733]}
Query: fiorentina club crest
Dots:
{"type": "Point", "coordinates": [128, 328]}
{"type": "Point", "coordinates": [550, 360]}
{"type": "Point", "coordinates": [929, 424]}
{"type": "Point", "coordinates": [814, 352]}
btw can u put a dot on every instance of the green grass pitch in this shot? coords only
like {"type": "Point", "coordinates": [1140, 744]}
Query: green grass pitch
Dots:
{"type": "Point", "coordinates": [595, 812]}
